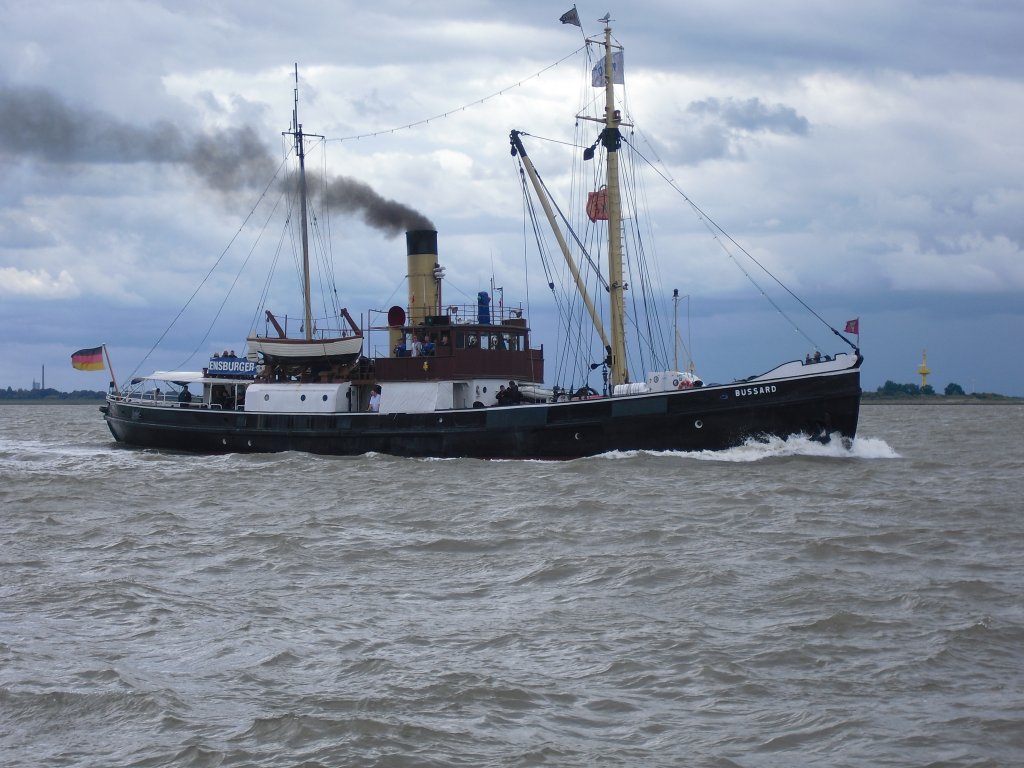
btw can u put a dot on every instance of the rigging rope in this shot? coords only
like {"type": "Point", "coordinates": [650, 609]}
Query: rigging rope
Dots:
{"type": "Point", "coordinates": [715, 229]}
{"type": "Point", "coordinates": [328, 262]}
{"type": "Point", "coordinates": [202, 282]}
{"type": "Point", "coordinates": [569, 303]}
{"type": "Point", "coordinates": [530, 213]}
{"type": "Point", "coordinates": [265, 293]}
{"type": "Point", "coordinates": [234, 282]}
{"type": "Point", "coordinates": [463, 108]}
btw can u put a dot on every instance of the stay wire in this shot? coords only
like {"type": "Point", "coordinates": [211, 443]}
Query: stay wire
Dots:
{"type": "Point", "coordinates": [563, 311]}
{"type": "Point", "coordinates": [463, 108]}
{"type": "Point", "coordinates": [234, 282]}
{"type": "Point", "coordinates": [716, 230]}
{"type": "Point", "coordinates": [212, 269]}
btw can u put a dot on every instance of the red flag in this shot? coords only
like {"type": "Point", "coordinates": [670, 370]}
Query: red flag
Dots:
{"type": "Point", "coordinates": [853, 326]}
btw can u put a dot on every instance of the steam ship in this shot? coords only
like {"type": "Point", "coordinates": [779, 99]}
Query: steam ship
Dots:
{"type": "Point", "coordinates": [469, 380]}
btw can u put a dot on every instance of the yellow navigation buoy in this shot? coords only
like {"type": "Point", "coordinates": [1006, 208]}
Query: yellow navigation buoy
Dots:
{"type": "Point", "coordinates": [924, 370]}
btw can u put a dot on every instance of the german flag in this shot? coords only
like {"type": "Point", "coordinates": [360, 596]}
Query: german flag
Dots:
{"type": "Point", "coordinates": [88, 359]}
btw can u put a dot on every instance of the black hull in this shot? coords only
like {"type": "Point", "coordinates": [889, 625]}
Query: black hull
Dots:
{"type": "Point", "coordinates": [709, 418]}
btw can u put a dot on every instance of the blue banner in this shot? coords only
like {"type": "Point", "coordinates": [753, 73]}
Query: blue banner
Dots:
{"type": "Point", "coordinates": [231, 367]}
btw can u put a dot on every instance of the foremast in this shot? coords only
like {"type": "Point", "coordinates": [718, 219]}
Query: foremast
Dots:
{"type": "Point", "coordinates": [315, 352]}
{"type": "Point", "coordinates": [300, 152]}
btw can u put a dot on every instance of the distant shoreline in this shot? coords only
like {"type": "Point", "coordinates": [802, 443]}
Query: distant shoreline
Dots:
{"type": "Point", "coordinates": [871, 398]}
{"type": "Point", "coordinates": [52, 401]}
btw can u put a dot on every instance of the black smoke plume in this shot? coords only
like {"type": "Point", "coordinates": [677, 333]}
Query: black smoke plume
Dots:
{"type": "Point", "coordinates": [36, 123]}
{"type": "Point", "coordinates": [389, 216]}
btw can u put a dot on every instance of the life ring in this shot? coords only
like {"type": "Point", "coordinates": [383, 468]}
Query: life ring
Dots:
{"type": "Point", "coordinates": [684, 384]}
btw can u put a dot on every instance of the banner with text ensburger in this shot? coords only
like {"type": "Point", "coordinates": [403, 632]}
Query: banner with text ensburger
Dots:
{"type": "Point", "coordinates": [231, 366]}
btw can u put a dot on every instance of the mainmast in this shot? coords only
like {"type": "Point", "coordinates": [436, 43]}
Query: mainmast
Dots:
{"type": "Point", "coordinates": [610, 138]}
{"type": "Point", "coordinates": [300, 151]}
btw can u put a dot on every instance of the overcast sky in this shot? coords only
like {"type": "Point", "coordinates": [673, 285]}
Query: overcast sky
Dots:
{"type": "Point", "coordinates": [870, 153]}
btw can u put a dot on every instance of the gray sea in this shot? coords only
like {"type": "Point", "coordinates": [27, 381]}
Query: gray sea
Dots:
{"type": "Point", "coordinates": [787, 604]}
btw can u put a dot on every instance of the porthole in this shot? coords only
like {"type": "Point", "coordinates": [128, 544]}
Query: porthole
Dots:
{"type": "Point", "coordinates": [266, 396]}
{"type": "Point", "coordinates": [302, 398]}
{"type": "Point", "coordinates": [224, 441]}
{"type": "Point", "coordinates": [325, 398]}
{"type": "Point", "coordinates": [698, 424]}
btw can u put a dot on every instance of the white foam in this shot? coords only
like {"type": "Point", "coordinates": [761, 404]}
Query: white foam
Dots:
{"type": "Point", "coordinates": [873, 448]}
{"type": "Point", "coordinates": [796, 445]}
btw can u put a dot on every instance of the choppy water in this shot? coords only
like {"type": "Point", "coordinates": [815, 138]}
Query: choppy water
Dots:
{"type": "Point", "coordinates": [782, 605]}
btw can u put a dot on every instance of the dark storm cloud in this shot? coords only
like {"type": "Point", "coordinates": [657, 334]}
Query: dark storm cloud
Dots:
{"type": "Point", "coordinates": [752, 115]}
{"type": "Point", "coordinates": [718, 128]}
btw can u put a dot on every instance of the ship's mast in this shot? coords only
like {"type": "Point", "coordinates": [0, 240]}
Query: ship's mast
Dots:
{"type": "Point", "coordinates": [300, 151]}
{"type": "Point", "coordinates": [616, 287]}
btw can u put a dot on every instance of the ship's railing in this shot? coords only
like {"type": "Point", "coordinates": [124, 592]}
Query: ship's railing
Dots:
{"type": "Point", "coordinates": [323, 328]}
{"type": "Point", "coordinates": [494, 313]}
{"type": "Point", "coordinates": [168, 400]}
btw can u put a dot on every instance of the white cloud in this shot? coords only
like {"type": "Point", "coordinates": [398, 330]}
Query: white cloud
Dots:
{"type": "Point", "coordinates": [37, 284]}
{"type": "Point", "coordinates": [848, 146]}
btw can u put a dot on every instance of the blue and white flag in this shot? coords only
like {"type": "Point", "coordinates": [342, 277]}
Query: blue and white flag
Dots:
{"type": "Point", "coordinates": [598, 75]}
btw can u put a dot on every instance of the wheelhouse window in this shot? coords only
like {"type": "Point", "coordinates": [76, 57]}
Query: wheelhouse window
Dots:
{"type": "Point", "coordinates": [502, 341]}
